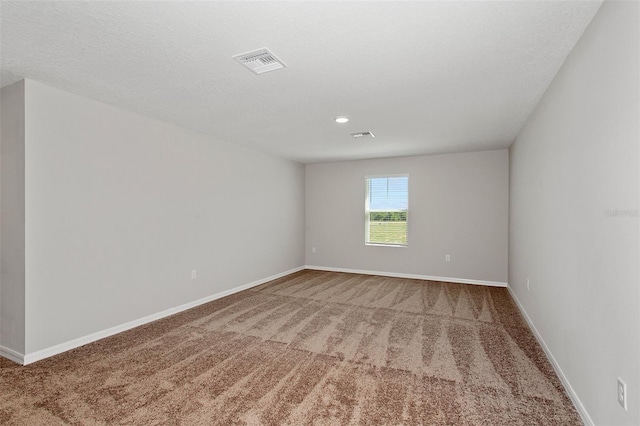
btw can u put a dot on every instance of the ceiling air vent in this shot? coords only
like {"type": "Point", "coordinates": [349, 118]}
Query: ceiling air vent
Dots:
{"type": "Point", "coordinates": [260, 61]}
{"type": "Point", "coordinates": [362, 134]}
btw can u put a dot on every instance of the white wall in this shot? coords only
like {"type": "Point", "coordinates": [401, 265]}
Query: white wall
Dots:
{"type": "Point", "coordinates": [458, 205]}
{"type": "Point", "coordinates": [12, 313]}
{"type": "Point", "coordinates": [576, 158]}
{"type": "Point", "coordinates": [120, 208]}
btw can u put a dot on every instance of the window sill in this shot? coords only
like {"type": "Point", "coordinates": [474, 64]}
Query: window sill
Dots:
{"type": "Point", "coordinates": [386, 245]}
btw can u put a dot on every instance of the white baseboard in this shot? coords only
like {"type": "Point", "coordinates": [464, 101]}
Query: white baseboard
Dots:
{"type": "Point", "coordinates": [72, 344]}
{"type": "Point", "coordinates": [565, 382]}
{"type": "Point", "coordinates": [12, 355]}
{"type": "Point", "coordinates": [410, 276]}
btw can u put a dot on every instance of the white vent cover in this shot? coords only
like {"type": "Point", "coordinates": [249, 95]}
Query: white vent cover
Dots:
{"type": "Point", "coordinates": [260, 61]}
{"type": "Point", "coordinates": [362, 134]}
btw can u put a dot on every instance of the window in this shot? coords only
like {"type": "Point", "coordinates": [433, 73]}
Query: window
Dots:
{"type": "Point", "coordinates": [386, 208]}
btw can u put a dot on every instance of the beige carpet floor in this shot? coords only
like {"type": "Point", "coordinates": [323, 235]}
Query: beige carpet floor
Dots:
{"type": "Point", "coordinates": [309, 348]}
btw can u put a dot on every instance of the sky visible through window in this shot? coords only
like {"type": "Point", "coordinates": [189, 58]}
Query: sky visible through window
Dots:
{"type": "Point", "coordinates": [388, 193]}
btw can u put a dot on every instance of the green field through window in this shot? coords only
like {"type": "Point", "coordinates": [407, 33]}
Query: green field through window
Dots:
{"type": "Point", "coordinates": [388, 232]}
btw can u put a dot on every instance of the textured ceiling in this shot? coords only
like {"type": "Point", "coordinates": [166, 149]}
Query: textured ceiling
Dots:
{"type": "Point", "coordinates": [424, 77]}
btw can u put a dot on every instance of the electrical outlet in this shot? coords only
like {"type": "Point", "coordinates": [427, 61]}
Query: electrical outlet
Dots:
{"type": "Point", "coordinates": [622, 394]}
{"type": "Point", "coordinates": [447, 258]}
{"type": "Point", "coordinates": [194, 274]}
{"type": "Point", "coordinates": [314, 250]}
{"type": "Point", "coordinates": [527, 283]}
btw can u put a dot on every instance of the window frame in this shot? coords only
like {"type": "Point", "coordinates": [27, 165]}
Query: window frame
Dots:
{"type": "Point", "coordinates": [367, 211]}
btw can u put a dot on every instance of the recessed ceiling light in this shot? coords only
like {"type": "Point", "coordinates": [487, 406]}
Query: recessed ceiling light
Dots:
{"type": "Point", "coordinates": [341, 120]}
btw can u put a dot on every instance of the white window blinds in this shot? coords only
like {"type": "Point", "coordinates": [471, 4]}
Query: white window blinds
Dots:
{"type": "Point", "coordinates": [386, 210]}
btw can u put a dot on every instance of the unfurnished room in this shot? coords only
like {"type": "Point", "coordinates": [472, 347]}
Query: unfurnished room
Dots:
{"type": "Point", "coordinates": [320, 212]}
